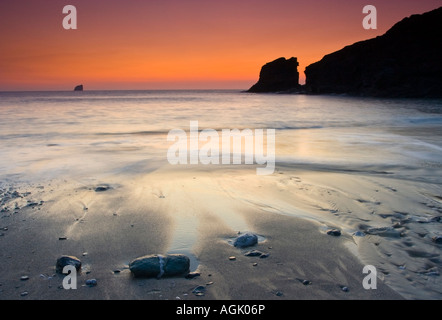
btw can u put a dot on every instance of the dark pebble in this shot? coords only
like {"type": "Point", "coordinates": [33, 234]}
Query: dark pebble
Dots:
{"type": "Point", "coordinates": [101, 188]}
{"type": "Point", "coordinates": [334, 232]}
{"type": "Point", "coordinates": [67, 260]}
{"type": "Point", "coordinates": [305, 282]}
{"type": "Point", "coordinates": [91, 282]}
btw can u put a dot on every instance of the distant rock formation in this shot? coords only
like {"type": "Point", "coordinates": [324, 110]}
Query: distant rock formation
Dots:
{"type": "Point", "coordinates": [79, 88]}
{"type": "Point", "coordinates": [404, 62]}
{"type": "Point", "coordinates": [276, 76]}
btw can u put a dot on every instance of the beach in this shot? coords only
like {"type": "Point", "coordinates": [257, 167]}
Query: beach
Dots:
{"type": "Point", "coordinates": [107, 229]}
{"type": "Point", "coordinates": [198, 213]}
{"type": "Point", "coordinates": [108, 196]}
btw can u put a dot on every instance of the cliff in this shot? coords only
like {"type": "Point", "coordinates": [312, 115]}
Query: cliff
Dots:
{"type": "Point", "coordinates": [276, 76]}
{"type": "Point", "coordinates": [404, 62]}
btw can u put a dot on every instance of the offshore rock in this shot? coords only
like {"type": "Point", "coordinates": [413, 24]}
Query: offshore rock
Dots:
{"type": "Point", "coordinates": [280, 75]}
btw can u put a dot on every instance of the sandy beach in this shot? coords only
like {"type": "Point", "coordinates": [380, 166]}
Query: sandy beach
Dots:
{"type": "Point", "coordinates": [198, 211]}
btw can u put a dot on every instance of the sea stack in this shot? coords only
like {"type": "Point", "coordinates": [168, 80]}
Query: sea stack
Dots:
{"type": "Point", "coordinates": [405, 62]}
{"type": "Point", "coordinates": [79, 88]}
{"type": "Point", "coordinates": [280, 75]}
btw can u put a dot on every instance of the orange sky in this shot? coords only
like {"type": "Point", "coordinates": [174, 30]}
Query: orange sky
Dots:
{"type": "Point", "coordinates": [176, 44]}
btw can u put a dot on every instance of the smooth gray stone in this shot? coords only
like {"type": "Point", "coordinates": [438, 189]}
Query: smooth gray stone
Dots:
{"type": "Point", "coordinates": [158, 265]}
{"type": "Point", "coordinates": [246, 240]}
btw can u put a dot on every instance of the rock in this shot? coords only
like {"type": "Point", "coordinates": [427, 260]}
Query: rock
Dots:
{"type": "Point", "coordinates": [246, 240]}
{"type": "Point", "coordinates": [437, 239]}
{"type": "Point", "coordinates": [404, 62]}
{"type": "Point", "coordinates": [334, 232]}
{"type": "Point", "coordinates": [304, 281]}
{"type": "Point", "coordinates": [102, 188]}
{"type": "Point", "coordinates": [148, 266]}
{"type": "Point", "coordinates": [24, 278]}
{"type": "Point", "coordinates": [65, 261]}
{"type": "Point", "coordinates": [176, 264]}
{"type": "Point", "coordinates": [278, 76]}
{"type": "Point", "coordinates": [232, 258]}
{"type": "Point", "coordinates": [91, 282]}
{"type": "Point", "coordinates": [158, 265]}
{"type": "Point", "coordinates": [79, 88]}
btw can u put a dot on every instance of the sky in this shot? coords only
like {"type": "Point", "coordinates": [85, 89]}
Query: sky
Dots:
{"type": "Point", "coordinates": [176, 44]}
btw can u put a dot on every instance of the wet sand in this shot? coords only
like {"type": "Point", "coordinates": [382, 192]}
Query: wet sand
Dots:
{"type": "Point", "coordinates": [198, 210]}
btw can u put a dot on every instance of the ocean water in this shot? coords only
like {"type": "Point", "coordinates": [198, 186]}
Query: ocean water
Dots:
{"type": "Point", "coordinates": [44, 135]}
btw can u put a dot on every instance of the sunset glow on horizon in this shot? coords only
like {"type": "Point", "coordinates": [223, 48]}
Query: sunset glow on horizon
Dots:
{"type": "Point", "coordinates": [176, 44]}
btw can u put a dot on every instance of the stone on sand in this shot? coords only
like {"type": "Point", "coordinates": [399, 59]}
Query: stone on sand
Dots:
{"type": "Point", "coordinates": [158, 265]}
{"type": "Point", "coordinates": [334, 232]}
{"type": "Point", "coordinates": [64, 261]}
{"type": "Point", "coordinates": [246, 240]}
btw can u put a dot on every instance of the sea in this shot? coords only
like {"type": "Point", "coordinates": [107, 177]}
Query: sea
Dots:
{"type": "Point", "coordinates": [46, 135]}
